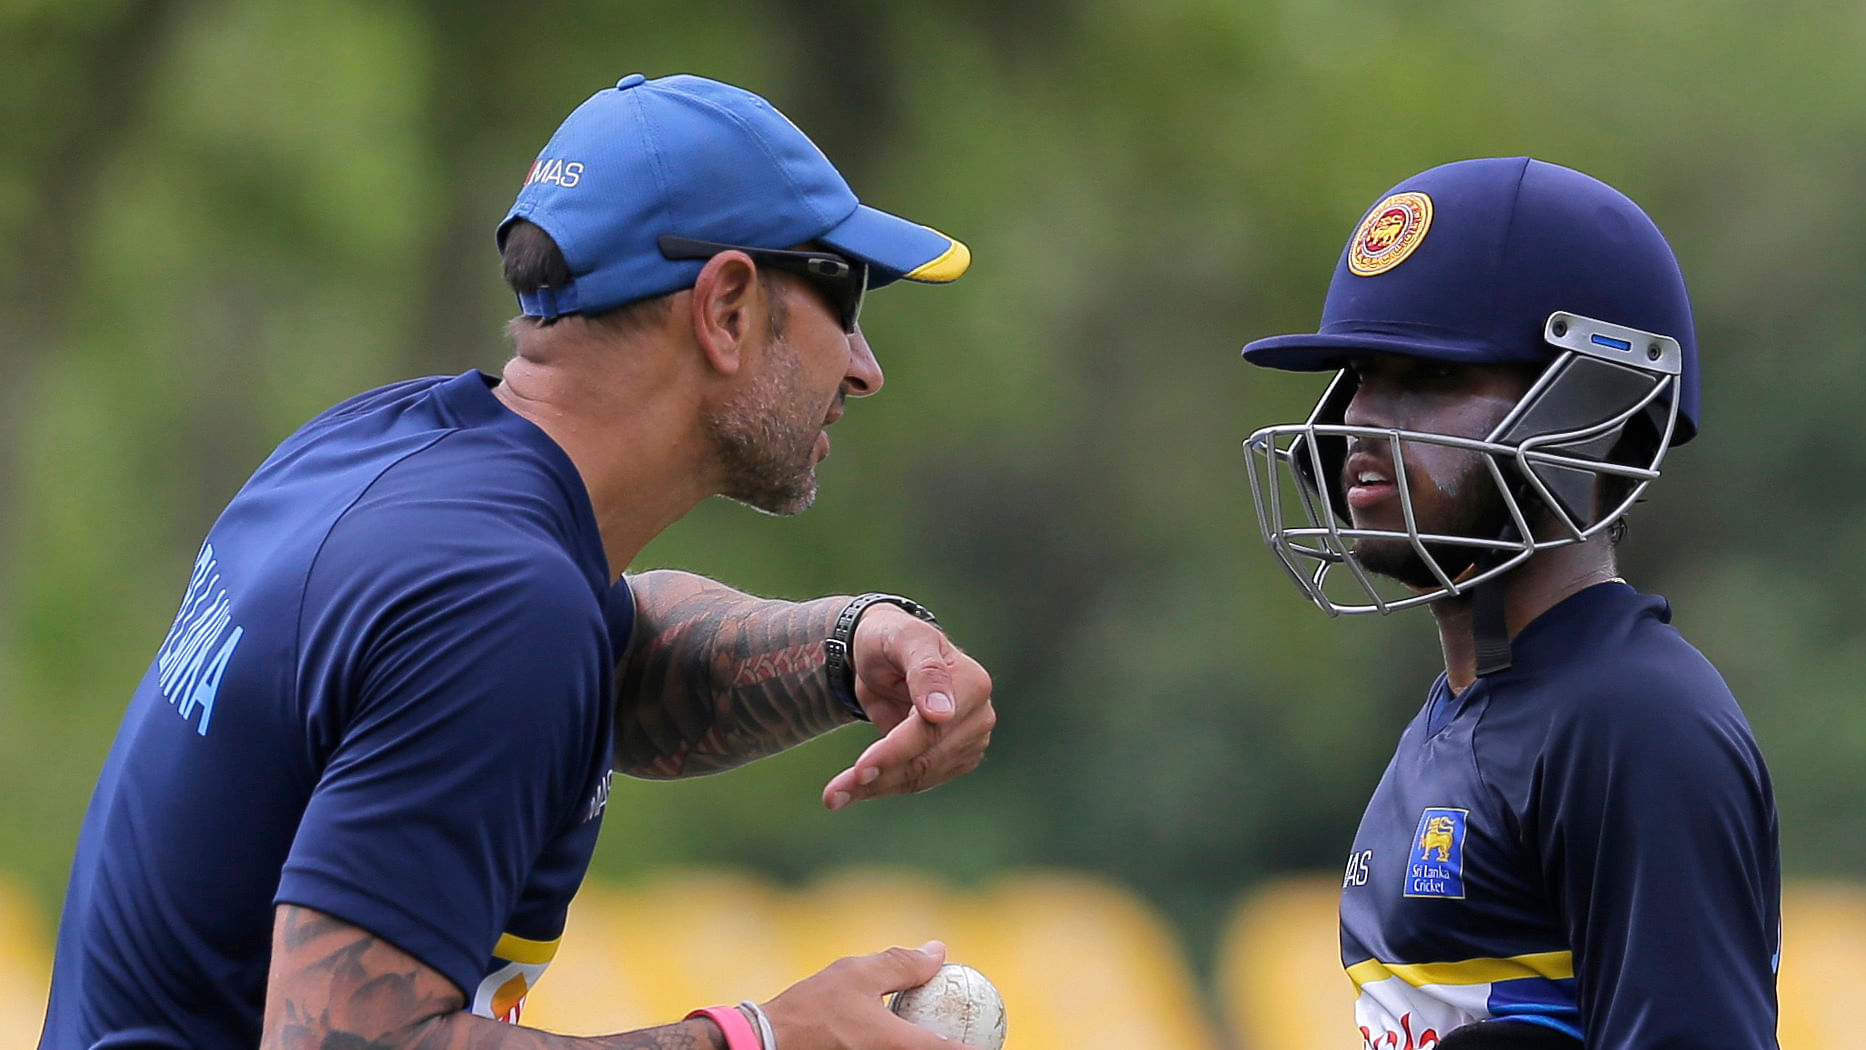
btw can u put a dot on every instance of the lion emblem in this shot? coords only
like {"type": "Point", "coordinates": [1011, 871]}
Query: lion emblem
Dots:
{"type": "Point", "coordinates": [1437, 836]}
{"type": "Point", "coordinates": [1389, 233]}
{"type": "Point", "coordinates": [1387, 229]}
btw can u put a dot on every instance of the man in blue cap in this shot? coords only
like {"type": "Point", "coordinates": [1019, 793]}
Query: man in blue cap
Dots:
{"type": "Point", "coordinates": [1575, 842]}
{"type": "Point", "coordinates": [355, 792]}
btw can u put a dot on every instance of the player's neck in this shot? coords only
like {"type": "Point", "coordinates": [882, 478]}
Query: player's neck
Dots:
{"type": "Point", "coordinates": [1541, 584]}
{"type": "Point", "coordinates": [641, 461]}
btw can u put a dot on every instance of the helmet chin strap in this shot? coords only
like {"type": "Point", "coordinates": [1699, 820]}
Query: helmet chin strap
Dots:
{"type": "Point", "coordinates": [1490, 629]}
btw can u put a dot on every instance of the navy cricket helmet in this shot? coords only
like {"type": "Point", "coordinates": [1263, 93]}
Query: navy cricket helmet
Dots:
{"type": "Point", "coordinates": [1491, 261]}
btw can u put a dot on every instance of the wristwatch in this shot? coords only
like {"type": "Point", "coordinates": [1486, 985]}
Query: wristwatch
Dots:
{"type": "Point", "coordinates": [839, 647]}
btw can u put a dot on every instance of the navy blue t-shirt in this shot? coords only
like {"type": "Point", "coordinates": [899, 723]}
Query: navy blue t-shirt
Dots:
{"type": "Point", "coordinates": [383, 697]}
{"type": "Point", "coordinates": [1586, 841]}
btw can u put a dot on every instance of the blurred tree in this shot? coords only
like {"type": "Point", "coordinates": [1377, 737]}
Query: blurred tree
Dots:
{"type": "Point", "coordinates": [224, 215]}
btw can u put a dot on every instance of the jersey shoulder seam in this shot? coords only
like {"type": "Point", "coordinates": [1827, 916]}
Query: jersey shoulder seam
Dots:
{"type": "Point", "coordinates": [304, 587]}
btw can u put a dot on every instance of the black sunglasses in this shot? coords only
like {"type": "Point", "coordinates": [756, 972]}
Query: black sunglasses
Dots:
{"type": "Point", "coordinates": [843, 281]}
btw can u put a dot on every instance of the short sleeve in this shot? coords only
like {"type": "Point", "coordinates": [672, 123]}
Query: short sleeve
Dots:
{"type": "Point", "coordinates": [1658, 837]}
{"type": "Point", "coordinates": [459, 722]}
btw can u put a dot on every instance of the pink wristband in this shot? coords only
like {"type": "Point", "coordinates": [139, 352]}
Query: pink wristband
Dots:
{"type": "Point", "coordinates": [739, 1032]}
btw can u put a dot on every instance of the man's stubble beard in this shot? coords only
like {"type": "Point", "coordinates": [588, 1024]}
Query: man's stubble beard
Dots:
{"type": "Point", "coordinates": [764, 440]}
{"type": "Point", "coordinates": [1481, 515]}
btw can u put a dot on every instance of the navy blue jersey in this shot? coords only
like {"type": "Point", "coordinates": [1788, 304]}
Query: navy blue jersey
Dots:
{"type": "Point", "coordinates": [1586, 841]}
{"type": "Point", "coordinates": [384, 697]}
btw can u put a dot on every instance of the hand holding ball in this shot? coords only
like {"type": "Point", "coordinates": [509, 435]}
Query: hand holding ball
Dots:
{"type": "Point", "coordinates": [958, 1003]}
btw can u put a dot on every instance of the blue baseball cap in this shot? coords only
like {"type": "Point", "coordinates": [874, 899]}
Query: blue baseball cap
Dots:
{"type": "Point", "coordinates": [1465, 262]}
{"type": "Point", "coordinates": [693, 157]}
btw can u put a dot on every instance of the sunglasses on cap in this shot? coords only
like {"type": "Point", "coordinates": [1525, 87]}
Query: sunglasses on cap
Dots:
{"type": "Point", "coordinates": [843, 281]}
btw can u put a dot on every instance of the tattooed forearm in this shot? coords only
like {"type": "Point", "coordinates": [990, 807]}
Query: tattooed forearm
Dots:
{"type": "Point", "coordinates": [336, 987]}
{"type": "Point", "coordinates": [715, 678]}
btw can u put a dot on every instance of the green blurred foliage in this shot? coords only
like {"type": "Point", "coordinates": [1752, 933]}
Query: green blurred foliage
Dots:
{"type": "Point", "coordinates": [222, 215]}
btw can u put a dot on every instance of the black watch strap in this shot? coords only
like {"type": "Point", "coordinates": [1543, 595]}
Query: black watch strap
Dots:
{"type": "Point", "coordinates": [839, 647]}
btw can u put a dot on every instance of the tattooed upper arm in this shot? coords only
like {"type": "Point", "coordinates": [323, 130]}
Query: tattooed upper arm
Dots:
{"type": "Point", "coordinates": [714, 677]}
{"type": "Point", "coordinates": [333, 984]}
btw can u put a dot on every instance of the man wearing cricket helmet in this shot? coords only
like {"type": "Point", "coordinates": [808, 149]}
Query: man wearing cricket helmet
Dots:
{"type": "Point", "coordinates": [1575, 842]}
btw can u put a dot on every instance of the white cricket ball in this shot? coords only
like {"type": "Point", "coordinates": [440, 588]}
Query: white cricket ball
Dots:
{"type": "Point", "coordinates": [958, 1003]}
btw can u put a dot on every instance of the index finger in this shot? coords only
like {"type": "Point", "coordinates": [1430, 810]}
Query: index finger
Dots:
{"type": "Point", "coordinates": [894, 754]}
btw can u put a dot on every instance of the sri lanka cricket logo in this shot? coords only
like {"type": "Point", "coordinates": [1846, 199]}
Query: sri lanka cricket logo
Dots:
{"type": "Point", "coordinates": [1389, 233]}
{"type": "Point", "coordinates": [1436, 867]}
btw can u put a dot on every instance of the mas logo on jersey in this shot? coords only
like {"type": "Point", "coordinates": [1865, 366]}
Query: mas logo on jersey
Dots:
{"type": "Point", "coordinates": [1389, 234]}
{"type": "Point", "coordinates": [1436, 867]}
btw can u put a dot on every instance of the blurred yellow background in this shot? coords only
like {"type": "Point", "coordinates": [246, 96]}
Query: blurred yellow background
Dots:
{"type": "Point", "coordinates": [1083, 963]}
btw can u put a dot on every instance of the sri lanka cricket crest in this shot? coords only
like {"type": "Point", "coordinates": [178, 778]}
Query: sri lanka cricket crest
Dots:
{"type": "Point", "coordinates": [1389, 233]}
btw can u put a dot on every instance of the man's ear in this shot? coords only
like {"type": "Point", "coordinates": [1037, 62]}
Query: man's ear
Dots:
{"type": "Point", "coordinates": [726, 306]}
